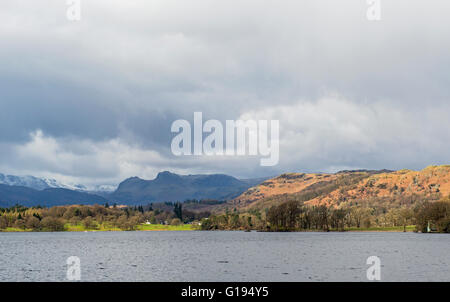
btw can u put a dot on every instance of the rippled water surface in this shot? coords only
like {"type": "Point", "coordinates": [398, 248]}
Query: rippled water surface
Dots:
{"type": "Point", "coordinates": [224, 256]}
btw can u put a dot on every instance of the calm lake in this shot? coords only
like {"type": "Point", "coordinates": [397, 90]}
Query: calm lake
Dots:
{"type": "Point", "coordinates": [224, 256]}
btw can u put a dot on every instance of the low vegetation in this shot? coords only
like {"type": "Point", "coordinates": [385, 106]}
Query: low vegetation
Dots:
{"type": "Point", "coordinates": [98, 218]}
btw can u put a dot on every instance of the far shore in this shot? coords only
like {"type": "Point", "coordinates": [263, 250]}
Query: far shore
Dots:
{"type": "Point", "coordinates": [190, 227]}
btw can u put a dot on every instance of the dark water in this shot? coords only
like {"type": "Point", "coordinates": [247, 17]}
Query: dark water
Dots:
{"type": "Point", "coordinates": [224, 256]}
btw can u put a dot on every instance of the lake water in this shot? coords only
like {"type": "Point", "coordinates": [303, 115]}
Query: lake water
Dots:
{"type": "Point", "coordinates": [224, 256]}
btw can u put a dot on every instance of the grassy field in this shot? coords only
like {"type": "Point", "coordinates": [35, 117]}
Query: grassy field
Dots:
{"type": "Point", "coordinates": [15, 230]}
{"type": "Point", "coordinates": [409, 228]}
{"type": "Point", "coordinates": [189, 227]}
{"type": "Point", "coordinates": [160, 227]}
{"type": "Point", "coordinates": [103, 227]}
{"type": "Point", "coordinates": [80, 228]}
{"type": "Point", "coordinates": [141, 227]}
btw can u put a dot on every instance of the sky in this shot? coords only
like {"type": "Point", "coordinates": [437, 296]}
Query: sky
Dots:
{"type": "Point", "coordinates": [92, 101]}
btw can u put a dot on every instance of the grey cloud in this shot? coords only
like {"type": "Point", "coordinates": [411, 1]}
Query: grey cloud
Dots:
{"type": "Point", "coordinates": [128, 69]}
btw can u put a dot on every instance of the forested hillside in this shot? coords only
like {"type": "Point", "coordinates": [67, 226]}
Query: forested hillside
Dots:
{"type": "Point", "coordinates": [343, 201]}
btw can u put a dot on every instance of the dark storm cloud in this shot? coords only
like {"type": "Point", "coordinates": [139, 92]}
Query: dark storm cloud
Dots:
{"type": "Point", "coordinates": [103, 92]}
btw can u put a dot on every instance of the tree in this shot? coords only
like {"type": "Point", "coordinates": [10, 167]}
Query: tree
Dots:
{"type": "Point", "coordinates": [249, 221]}
{"type": "Point", "coordinates": [19, 223]}
{"type": "Point", "coordinates": [175, 221]}
{"type": "Point", "coordinates": [234, 221]}
{"type": "Point", "coordinates": [360, 215]}
{"type": "Point", "coordinates": [33, 223]}
{"type": "Point", "coordinates": [338, 219]}
{"type": "Point", "coordinates": [52, 224]}
{"type": "Point", "coordinates": [285, 216]}
{"type": "Point", "coordinates": [89, 223]}
{"type": "Point", "coordinates": [323, 216]}
{"type": "Point", "coordinates": [177, 210]}
{"type": "Point", "coordinates": [3, 222]}
{"type": "Point", "coordinates": [293, 211]}
{"type": "Point", "coordinates": [436, 214]}
{"type": "Point", "coordinates": [127, 224]}
{"type": "Point", "coordinates": [405, 216]}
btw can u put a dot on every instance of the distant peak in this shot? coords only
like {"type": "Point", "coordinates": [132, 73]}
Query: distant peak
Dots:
{"type": "Point", "coordinates": [167, 176]}
{"type": "Point", "coordinates": [165, 173]}
{"type": "Point", "coordinates": [131, 180]}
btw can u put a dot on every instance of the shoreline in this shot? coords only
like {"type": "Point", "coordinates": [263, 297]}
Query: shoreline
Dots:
{"type": "Point", "coordinates": [410, 229]}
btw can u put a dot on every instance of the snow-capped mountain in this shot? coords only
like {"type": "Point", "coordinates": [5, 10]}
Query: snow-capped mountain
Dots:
{"type": "Point", "coordinates": [26, 181]}
{"type": "Point", "coordinates": [103, 188]}
{"type": "Point", "coordinates": [47, 183]}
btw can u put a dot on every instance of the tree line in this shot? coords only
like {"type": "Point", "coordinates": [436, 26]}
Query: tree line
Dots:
{"type": "Point", "coordinates": [294, 215]}
{"type": "Point", "coordinates": [92, 217]}
{"type": "Point", "coordinates": [290, 215]}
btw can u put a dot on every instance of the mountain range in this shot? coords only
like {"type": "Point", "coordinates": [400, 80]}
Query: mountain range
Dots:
{"type": "Point", "coordinates": [381, 187]}
{"type": "Point", "coordinates": [167, 186]}
{"type": "Point", "coordinates": [12, 195]}
{"type": "Point", "coordinates": [47, 183]}
{"type": "Point", "coordinates": [35, 182]}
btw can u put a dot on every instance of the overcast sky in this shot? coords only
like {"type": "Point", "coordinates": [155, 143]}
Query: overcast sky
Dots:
{"type": "Point", "coordinates": [92, 101]}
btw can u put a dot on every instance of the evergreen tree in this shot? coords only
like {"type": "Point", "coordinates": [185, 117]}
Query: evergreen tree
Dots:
{"type": "Point", "coordinates": [177, 209]}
